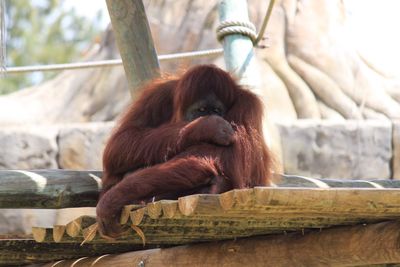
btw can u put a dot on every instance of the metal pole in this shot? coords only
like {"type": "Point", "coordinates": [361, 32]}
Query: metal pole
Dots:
{"type": "Point", "coordinates": [238, 49]}
{"type": "Point", "coordinates": [133, 36]}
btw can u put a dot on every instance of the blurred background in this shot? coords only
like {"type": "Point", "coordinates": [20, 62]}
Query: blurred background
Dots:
{"type": "Point", "coordinates": [330, 81]}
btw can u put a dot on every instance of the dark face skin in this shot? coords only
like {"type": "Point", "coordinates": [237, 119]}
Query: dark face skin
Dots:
{"type": "Point", "coordinates": [210, 105]}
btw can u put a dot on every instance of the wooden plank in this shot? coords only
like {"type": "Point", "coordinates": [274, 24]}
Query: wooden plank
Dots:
{"type": "Point", "coordinates": [52, 189]}
{"type": "Point", "coordinates": [172, 232]}
{"type": "Point", "coordinates": [74, 228]}
{"type": "Point", "coordinates": [126, 212]}
{"type": "Point", "coordinates": [133, 36]}
{"type": "Point", "coordinates": [240, 213]}
{"type": "Point", "coordinates": [169, 208]}
{"type": "Point", "coordinates": [269, 200]}
{"type": "Point", "coordinates": [341, 246]}
{"type": "Point", "coordinates": [58, 232]}
{"type": "Point", "coordinates": [154, 209]}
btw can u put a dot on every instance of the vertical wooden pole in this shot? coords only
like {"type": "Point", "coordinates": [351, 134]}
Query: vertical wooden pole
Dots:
{"type": "Point", "coordinates": [238, 49]}
{"type": "Point", "coordinates": [133, 36]}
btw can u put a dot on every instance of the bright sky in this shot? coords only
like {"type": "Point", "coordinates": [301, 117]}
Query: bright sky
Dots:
{"type": "Point", "coordinates": [89, 8]}
{"type": "Point", "coordinates": [376, 30]}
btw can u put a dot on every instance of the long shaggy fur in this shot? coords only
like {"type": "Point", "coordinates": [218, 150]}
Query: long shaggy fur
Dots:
{"type": "Point", "coordinates": [154, 152]}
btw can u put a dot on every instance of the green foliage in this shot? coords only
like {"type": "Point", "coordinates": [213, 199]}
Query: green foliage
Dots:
{"type": "Point", "coordinates": [43, 32]}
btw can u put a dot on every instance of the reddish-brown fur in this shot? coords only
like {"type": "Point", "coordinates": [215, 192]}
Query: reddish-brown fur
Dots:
{"type": "Point", "coordinates": [154, 152]}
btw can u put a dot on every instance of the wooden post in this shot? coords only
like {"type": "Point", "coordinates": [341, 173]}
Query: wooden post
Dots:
{"type": "Point", "coordinates": [238, 49]}
{"type": "Point", "coordinates": [134, 40]}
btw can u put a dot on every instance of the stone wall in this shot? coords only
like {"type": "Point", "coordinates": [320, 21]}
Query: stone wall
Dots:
{"type": "Point", "coordinates": [81, 145]}
{"type": "Point", "coordinates": [29, 147]}
{"type": "Point", "coordinates": [348, 150]}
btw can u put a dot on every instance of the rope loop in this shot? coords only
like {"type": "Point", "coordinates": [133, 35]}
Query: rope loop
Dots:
{"type": "Point", "coordinates": [245, 28]}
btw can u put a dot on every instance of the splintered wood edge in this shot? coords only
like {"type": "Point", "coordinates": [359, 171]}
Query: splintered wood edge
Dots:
{"type": "Point", "coordinates": [89, 233]}
{"type": "Point", "coordinates": [73, 228]}
{"type": "Point", "coordinates": [137, 216]}
{"type": "Point", "coordinates": [39, 234]}
{"type": "Point", "coordinates": [58, 232]}
{"type": "Point", "coordinates": [187, 205]}
{"type": "Point", "coordinates": [169, 208]}
{"type": "Point", "coordinates": [154, 209]}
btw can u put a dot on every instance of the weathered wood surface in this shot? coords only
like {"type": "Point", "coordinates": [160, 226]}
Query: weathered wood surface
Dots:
{"type": "Point", "coordinates": [341, 246]}
{"type": "Point", "coordinates": [135, 43]}
{"type": "Point", "coordinates": [50, 189]}
{"type": "Point", "coordinates": [241, 213]}
{"type": "Point", "coordinates": [28, 251]}
{"type": "Point", "coordinates": [53, 189]}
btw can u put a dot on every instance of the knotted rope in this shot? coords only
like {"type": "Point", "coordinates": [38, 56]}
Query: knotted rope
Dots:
{"type": "Point", "coordinates": [245, 28]}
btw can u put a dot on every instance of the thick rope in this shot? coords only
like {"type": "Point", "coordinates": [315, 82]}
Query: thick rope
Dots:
{"type": "Point", "coordinates": [108, 63]}
{"type": "Point", "coordinates": [245, 28]}
{"type": "Point", "coordinates": [230, 27]}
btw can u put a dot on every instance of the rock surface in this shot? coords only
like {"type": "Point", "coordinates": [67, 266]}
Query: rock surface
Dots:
{"type": "Point", "coordinates": [350, 149]}
{"type": "Point", "coordinates": [81, 145]}
{"type": "Point", "coordinates": [28, 148]}
{"type": "Point", "coordinates": [21, 221]}
{"type": "Point", "coordinates": [396, 150]}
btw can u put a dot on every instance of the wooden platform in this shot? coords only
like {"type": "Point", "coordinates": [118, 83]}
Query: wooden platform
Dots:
{"type": "Point", "coordinates": [238, 213]}
{"type": "Point", "coordinates": [296, 205]}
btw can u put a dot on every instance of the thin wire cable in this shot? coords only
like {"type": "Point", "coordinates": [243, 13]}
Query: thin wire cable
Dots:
{"type": "Point", "coordinates": [112, 62]}
{"type": "Point", "coordinates": [108, 63]}
{"type": "Point", "coordinates": [3, 35]}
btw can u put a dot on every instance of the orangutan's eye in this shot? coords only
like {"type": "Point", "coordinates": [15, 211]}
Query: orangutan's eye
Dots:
{"type": "Point", "coordinates": [202, 109]}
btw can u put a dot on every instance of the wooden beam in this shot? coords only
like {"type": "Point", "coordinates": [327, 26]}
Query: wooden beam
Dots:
{"type": "Point", "coordinates": [54, 189]}
{"type": "Point", "coordinates": [341, 246]}
{"type": "Point", "coordinates": [135, 43]}
{"type": "Point", "coordinates": [50, 189]}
